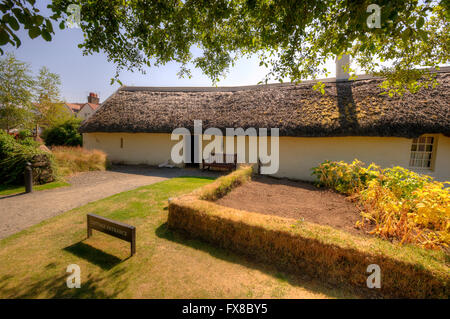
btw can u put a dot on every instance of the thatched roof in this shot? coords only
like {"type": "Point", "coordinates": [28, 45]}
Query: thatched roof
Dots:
{"type": "Point", "coordinates": [352, 108]}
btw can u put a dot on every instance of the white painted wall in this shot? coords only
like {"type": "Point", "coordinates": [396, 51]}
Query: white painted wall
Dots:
{"type": "Point", "coordinates": [138, 148]}
{"type": "Point", "coordinates": [85, 112]}
{"type": "Point", "coordinates": [297, 154]}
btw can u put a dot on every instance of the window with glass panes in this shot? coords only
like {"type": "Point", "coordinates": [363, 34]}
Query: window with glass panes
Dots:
{"type": "Point", "coordinates": [422, 152]}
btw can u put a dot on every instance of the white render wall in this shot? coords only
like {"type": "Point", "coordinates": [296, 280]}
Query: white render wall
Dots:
{"type": "Point", "coordinates": [297, 154]}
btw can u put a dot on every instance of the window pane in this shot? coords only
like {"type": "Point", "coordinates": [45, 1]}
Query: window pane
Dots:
{"type": "Point", "coordinates": [421, 152]}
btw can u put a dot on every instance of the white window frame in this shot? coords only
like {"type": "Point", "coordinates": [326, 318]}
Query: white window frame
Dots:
{"type": "Point", "coordinates": [423, 152]}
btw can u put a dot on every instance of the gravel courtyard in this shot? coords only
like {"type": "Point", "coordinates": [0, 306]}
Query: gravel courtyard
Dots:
{"type": "Point", "coordinates": [21, 211]}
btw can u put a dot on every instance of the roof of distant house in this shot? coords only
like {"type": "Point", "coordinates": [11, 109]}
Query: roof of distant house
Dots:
{"type": "Point", "coordinates": [75, 106]}
{"type": "Point", "coordinates": [349, 108]}
{"type": "Point", "coordinates": [92, 105]}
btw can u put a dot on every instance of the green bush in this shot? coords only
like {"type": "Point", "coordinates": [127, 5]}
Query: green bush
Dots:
{"type": "Point", "coordinates": [65, 134]}
{"type": "Point", "coordinates": [14, 156]}
{"type": "Point", "coordinates": [343, 177]}
{"type": "Point", "coordinates": [25, 138]}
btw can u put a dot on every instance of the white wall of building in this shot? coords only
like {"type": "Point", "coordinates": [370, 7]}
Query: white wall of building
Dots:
{"type": "Point", "coordinates": [297, 154]}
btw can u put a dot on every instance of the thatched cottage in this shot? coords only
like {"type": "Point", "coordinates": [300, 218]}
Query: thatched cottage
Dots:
{"type": "Point", "coordinates": [351, 120]}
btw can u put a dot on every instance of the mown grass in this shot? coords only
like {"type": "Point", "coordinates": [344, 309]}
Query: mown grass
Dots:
{"type": "Point", "coordinates": [167, 265]}
{"type": "Point", "coordinates": [6, 190]}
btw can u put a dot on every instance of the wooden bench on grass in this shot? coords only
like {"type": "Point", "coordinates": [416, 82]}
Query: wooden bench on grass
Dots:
{"type": "Point", "coordinates": [220, 160]}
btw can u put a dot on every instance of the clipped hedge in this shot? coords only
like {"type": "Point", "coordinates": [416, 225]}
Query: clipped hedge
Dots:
{"type": "Point", "coordinates": [224, 184]}
{"type": "Point", "coordinates": [322, 252]}
{"type": "Point", "coordinates": [13, 158]}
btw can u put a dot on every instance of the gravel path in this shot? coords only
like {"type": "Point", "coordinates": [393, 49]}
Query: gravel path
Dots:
{"type": "Point", "coordinates": [21, 211]}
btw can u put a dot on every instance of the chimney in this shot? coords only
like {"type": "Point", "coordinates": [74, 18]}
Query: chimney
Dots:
{"type": "Point", "coordinates": [93, 98]}
{"type": "Point", "coordinates": [341, 75]}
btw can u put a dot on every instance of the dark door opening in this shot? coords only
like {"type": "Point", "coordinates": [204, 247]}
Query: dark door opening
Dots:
{"type": "Point", "coordinates": [194, 149]}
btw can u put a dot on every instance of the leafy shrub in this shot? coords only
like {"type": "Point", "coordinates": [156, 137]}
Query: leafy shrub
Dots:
{"type": "Point", "coordinates": [64, 134]}
{"type": "Point", "coordinates": [77, 159]}
{"type": "Point", "coordinates": [15, 155]}
{"type": "Point", "coordinates": [345, 178]}
{"type": "Point", "coordinates": [23, 134]}
{"type": "Point", "coordinates": [398, 203]}
{"type": "Point", "coordinates": [24, 137]}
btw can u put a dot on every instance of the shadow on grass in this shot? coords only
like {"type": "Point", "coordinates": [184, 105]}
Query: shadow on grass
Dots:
{"type": "Point", "coordinates": [93, 255]}
{"type": "Point", "coordinates": [56, 287]}
{"type": "Point", "coordinates": [297, 279]}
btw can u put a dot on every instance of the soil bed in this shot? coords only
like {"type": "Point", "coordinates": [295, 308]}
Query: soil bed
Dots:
{"type": "Point", "coordinates": [296, 200]}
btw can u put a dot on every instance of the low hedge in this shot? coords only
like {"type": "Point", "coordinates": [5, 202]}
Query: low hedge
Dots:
{"type": "Point", "coordinates": [224, 184]}
{"type": "Point", "coordinates": [323, 252]}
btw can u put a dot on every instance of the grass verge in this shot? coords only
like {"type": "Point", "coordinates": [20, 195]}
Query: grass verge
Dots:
{"type": "Point", "coordinates": [331, 255]}
{"type": "Point", "coordinates": [6, 190]}
{"type": "Point", "coordinates": [166, 265]}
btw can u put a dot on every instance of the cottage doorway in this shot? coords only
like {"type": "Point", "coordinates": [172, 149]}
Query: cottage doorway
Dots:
{"type": "Point", "coordinates": [195, 142]}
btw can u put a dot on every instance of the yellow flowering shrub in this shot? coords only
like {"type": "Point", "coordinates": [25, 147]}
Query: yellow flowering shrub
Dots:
{"type": "Point", "coordinates": [397, 203]}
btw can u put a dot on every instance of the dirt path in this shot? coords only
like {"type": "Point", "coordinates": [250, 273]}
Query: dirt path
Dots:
{"type": "Point", "coordinates": [21, 211]}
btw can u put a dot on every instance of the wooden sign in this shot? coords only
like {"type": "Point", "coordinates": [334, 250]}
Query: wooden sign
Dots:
{"type": "Point", "coordinates": [113, 228]}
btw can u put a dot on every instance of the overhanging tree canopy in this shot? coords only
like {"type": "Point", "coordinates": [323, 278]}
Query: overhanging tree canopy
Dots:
{"type": "Point", "coordinates": [292, 37]}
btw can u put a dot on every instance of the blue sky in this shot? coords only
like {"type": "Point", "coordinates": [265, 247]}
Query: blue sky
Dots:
{"type": "Point", "coordinates": [83, 74]}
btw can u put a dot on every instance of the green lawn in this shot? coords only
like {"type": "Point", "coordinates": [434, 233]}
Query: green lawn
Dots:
{"type": "Point", "coordinates": [6, 190]}
{"type": "Point", "coordinates": [167, 265]}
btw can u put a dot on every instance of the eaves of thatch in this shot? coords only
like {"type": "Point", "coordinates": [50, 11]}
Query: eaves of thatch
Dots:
{"type": "Point", "coordinates": [351, 108]}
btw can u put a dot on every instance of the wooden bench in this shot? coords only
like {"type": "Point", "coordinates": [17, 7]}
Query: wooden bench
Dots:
{"type": "Point", "coordinates": [220, 161]}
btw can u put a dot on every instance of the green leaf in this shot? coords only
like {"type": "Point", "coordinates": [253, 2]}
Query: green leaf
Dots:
{"type": "Point", "coordinates": [13, 23]}
{"type": "Point", "coordinates": [49, 25]}
{"type": "Point", "coordinates": [38, 20]}
{"type": "Point", "coordinates": [34, 32]}
{"type": "Point", "coordinates": [420, 22]}
{"type": "Point", "coordinates": [46, 35]}
{"type": "Point", "coordinates": [4, 37]}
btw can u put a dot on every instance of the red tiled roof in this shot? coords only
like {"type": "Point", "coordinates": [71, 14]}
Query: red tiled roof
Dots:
{"type": "Point", "coordinates": [75, 107]}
